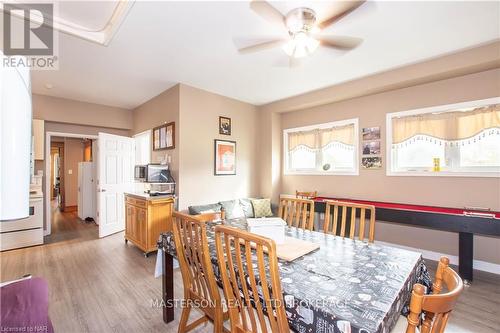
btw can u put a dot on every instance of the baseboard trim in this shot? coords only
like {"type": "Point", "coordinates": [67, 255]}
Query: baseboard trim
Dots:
{"type": "Point", "coordinates": [479, 265]}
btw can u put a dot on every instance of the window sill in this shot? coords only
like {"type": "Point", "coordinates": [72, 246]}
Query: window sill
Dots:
{"type": "Point", "coordinates": [490, 174]}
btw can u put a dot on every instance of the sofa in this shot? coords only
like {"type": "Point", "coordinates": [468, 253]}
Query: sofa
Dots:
{"type": "Point", "coordinates": [237, 208]}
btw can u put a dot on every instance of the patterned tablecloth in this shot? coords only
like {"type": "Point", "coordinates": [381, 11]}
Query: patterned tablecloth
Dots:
{"type": "Point", "coordinates": [344, 286]}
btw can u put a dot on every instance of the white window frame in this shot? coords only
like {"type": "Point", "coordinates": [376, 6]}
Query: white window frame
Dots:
{"type": "Point", "coordinates": [434, 109]}
{"type": "Point", "coordinates": [355, 172]}
{"type": "Point", "coordinates": [148, 133]}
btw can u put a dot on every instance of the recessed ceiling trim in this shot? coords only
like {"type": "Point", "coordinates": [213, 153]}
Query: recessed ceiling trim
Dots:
{"type": "Point", "coordinates": [102, 36]}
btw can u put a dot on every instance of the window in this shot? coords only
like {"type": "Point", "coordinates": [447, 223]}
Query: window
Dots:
{"type": "Point", "coordinates": [330, 148]}
{"type": "Point", "coordinates": [451, 140]}
{"type": "Point", "coordinates": [143, 148]}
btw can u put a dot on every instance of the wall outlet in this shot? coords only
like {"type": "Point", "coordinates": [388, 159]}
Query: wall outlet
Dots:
{"type": "Point", "coordinates": [70, 172]}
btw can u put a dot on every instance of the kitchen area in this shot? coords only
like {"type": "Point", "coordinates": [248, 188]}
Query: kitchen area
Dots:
{"type": "Point", "coordinates": [148, 209]}
{"type": "Point", "coordinates": [142, 207]}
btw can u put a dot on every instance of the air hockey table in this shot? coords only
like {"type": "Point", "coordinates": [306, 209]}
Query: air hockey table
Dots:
{"type": "Point", "coordinates": [466, 222]}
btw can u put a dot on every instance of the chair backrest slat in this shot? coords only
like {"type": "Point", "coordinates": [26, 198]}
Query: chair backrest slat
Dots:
{"type": "Point", "coordinates": [198, 277]}
{"type": "Point", "coordinates": [297, 212]}
{"type": "Point", "coordinates": [251, 282]}
{"type": "Point", "coordinates": [353, 225]}
{"type": "Point", "coordinates": [437, 307]}
{"type": "Point", "coordinates": [354, 209]}
{"type": "Point", "coordinates": [342, 225]}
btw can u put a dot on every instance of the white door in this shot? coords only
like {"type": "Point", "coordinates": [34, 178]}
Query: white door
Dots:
{"type": "Point", "coordinates": [80, 191]}
{"type": "Point", "coordinates": [114, 177]}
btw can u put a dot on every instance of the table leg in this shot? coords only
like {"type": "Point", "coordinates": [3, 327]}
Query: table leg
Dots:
{"type": "Point", "coordinates": [465, 256]}
{"type": "Point", "coordinates": [168, 287]}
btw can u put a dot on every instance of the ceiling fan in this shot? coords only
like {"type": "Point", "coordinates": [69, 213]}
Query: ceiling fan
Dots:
{"type": "Point", "coordinates": [303, 31]}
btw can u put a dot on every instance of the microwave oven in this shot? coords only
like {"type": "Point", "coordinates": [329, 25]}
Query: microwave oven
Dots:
{"type": "Point", "coordinates": [153, 173]}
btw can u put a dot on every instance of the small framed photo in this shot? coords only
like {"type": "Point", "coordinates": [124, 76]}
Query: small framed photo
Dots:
{"type": "Point", "coordinates": [156, 139]}
{"type": "Point", "coordinates": [371, 148]}
{"type": "Point", "coordinates": [164, 137]}
{"type": "Point", "coordinates": [371, 162]}
{"type": "Point", "coordinates": [224, 157]}
{"type": "Point", "coordinates": [224, 125]}
{"type": "Point", "coordinates": [170, 136]}
{"type": "Point", "coordinates": [371, 133]}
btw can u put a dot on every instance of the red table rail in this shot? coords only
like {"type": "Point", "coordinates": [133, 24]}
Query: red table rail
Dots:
{"type": "Point", "coordinates": [466, 222]}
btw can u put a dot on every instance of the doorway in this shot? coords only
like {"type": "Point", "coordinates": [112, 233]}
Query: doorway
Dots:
{"type": "Point", "coordinates": [57, 174]}
{"type": "Point", "coordinates": [68, 155]}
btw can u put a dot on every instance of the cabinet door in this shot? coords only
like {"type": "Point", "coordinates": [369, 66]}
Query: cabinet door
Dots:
{"type": "Point", "coordinates": [142, 225]}
{"type": "Point", "coordinates": [130, 221]}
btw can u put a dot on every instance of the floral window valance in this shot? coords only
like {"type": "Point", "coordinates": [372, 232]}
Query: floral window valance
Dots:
{"type": "Point", "coordinates": [448, 126]}
{"type": "Point", "coordinates": [320, 138]}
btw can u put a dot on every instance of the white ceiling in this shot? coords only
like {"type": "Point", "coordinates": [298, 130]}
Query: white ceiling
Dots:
{"type": "Point", "coordinates": [163, 43]}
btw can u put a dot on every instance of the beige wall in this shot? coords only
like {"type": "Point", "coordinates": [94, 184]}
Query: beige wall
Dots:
{"type": "Point", "coordinates": [73, 154]}
{"type": "Point", "coordinates": [159, 110]}
{"type": "Point", "coordinates": [196, 115]}
{"type": "Point", "coordinates": [375, 185]}
{"type": "Point", "coordinates": [269, 160]}
{"type": "Point", "coordinates": [199, 121]}
{"type": "Point", "coordinates": [74, 112]}
{"type": "Point", "coordinates": [457, 64]}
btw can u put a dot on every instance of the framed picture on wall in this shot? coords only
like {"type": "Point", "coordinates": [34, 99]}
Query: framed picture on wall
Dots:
{"type": "Point", "coordinates": [371, 162]}
{"type": "Point", "coordinates": [164, 137]}
{"type": "Point", "coordinates": [224, 125]}
{"type": "Point", "coordinates": [371, 148]}
{"type": "Point", "coordinates": [224, 157]}
{"type": "Point", "coordinates": [371, 133]}
{"type": "Point", "coordinates": [156, 139]}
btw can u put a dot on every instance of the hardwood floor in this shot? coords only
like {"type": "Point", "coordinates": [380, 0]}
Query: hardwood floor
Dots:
{"type": "Point", "coordinates": [67, 226]}
{"type": "Point", "coordinates": [104, 285]}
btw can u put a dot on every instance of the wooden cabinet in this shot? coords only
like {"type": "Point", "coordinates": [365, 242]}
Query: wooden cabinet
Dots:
{"type": "Point", "coordinates": [145, 219]}
{"type": "Point", "coordinates": [38, 138]}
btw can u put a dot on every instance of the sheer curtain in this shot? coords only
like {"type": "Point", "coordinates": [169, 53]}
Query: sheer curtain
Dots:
{"type": "Point", "coordinates": [318, 139]}
{"type": "Point", "coordinates": [447, 126]}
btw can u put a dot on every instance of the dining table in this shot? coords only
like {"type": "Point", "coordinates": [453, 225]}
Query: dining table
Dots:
{"type": "Point", "coordinates": [345, 286]}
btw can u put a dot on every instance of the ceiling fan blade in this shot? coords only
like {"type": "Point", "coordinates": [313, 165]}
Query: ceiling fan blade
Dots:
{"type": "Point", "coordinates": [347, 8]}
{"type": "Point", "coordinates": [268, 12]}
{"type": "Point", "coordinates": [339, 42]}
{"type": "Point", "coordinates": [262, 46]}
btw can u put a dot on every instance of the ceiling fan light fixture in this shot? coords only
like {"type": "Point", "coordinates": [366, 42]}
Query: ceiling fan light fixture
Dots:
{"type": "Point", "coordinates": [300, 45]}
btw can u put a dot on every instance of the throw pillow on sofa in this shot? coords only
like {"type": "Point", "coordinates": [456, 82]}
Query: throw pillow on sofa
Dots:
{"type": "Point", "coordinates": [246, 205]}
{"type": "Point", "coordinates": [232, 209]}
{"type": "Point", "coordinates": [201, 209]}
{"type": "Point", "coordinates": [262, 207]}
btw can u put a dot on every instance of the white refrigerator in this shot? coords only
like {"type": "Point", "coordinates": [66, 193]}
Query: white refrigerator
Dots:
{"type": "Point", "coordinates": [86, 190]}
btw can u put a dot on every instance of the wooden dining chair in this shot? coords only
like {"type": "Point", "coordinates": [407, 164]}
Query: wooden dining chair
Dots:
{"type": "Point", "coordinates": [258, 306]}
{"type": "Point", "coordinates": [297, 212]}
{"type": "Point", "coordinates": [306, 195]}
{"type": "Point", "coordinates": [198, 277]}
{"type": "Point", "coordinates": [435, 308]}
{"type": "Point", "coordinates": [348, 211]}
